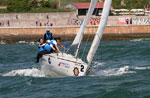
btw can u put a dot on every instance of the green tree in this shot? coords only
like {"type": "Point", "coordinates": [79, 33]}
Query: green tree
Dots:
{"type": "Point", "coordinates": [18, 5]}
{"type": "Point", "coordinates": [49, 4]}
{"type": "Point", "coordinates": [3, 2]}
{"type": "Point", "coordinates": [53, 4]}
{"type": "Point", "coordinates": [45, 4]}
{"type": "Point", "coordinates": [34, 4]}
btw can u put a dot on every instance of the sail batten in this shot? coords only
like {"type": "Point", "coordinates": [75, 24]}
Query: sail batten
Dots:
{"type": "Point", "coordinates": [79, 36]}
{"type": "Point", "coordinates": [100, 31]}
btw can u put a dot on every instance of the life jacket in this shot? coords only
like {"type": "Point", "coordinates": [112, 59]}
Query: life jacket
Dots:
{"type": "Point", "coordinates": [47, 47]}
{"type": "Point", "coordinates": [49, 36]}
{"type": "Point", "coordinates": [41, 48]}
{"type": "Point", "coordinates": [52, 42]}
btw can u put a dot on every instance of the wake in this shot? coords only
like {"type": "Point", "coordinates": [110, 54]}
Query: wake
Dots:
{"type": "Point", "coordinates": [118, 71]}
{"type": "Point", "coordinates": [114, 71]}
{"type": "Point", "coordinates": [34, 72]}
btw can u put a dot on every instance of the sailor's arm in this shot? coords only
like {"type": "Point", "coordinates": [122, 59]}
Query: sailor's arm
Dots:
{"type": "Point", "coordinates": [62, 46]}
{"type": "Point", "coordinates": [53, 48]}
{"type": "Point", "coordinates": [42, 45]}
{"type": "Point", "coordinates": [57, 48]}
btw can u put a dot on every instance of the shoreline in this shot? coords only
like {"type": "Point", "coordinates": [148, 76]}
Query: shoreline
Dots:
{"type": "Point", "coordinates": [106, 37]}
{"type": "Point", "coordinates": [12, 35]}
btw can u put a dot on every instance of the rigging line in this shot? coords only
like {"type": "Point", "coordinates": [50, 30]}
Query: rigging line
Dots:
{"type": "Point", "coordinates": [101, 52]}
{"type": "Point", "coordinates": [96, 10]}
{"type": "Point", "coordinates": [85, 45]}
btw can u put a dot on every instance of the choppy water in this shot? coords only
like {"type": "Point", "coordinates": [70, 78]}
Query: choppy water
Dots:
{"type": "Point", "coordinates": [122, 70]}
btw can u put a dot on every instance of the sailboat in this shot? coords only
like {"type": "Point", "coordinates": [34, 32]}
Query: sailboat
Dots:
{"type": "Point", "coordinates": [63, 64]}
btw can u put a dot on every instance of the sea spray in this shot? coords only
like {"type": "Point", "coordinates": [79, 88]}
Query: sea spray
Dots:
{"type": "Point", "coordinates": [34, 72]}
{"type": "Point", "coordinates": [114, 71]}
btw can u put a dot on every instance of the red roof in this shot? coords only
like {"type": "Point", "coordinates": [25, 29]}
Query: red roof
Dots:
{"type": "Point", "coordinates": [87, 4]}
{"type": "Point", "coordinates": [147, 9]}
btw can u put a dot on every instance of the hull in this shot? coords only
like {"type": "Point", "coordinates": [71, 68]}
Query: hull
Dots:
{"type": "Point", "coordinates": [63, 65]}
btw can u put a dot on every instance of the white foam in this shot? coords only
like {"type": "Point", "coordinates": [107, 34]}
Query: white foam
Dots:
{"type": "Point", "coordinates": [142, 68]}
{"type": "Point", "coordinates": [22, 42]}
{"type": "Point", "coordinates": [30, 43]}
{"type": "Point", "coordinates": [136, 40]}
{"type": "Point", "coordinates": [114, 71]}
{"type": "Point", "coordinates": [2, 42]}
{"type": "Point", "coordinates": [34, 72]}
{"type": "Point", "coordinates": [97, 64]}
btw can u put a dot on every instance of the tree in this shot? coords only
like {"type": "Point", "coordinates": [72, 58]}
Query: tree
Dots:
{"type": "Point", "coordinates": [45, 4]}
{"type": "Point", "coordinates": [18, 5]}
{"type": "Point", "coordinates": [34, 4]}
{"type": "Point", "coordinates": [49, 4]}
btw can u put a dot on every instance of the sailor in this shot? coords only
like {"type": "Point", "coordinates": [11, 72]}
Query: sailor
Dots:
{"type": "Point", "coordinates": [41, 49]}
{"type": "Point", "coordinates": [46, 50]}
{"type": "Point", "coordinates": [41, 45]}
{"type": "Point", "coordinates": [58, 39]}
{"type": "Point", "coordinates": [53, 43]}
{"type": "Point", "coordinates": [47, 46]}
{"type": "Point", "coordinates": [48, 35]}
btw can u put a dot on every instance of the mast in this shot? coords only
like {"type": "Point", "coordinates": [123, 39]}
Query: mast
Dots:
{"type": "Point", "coordinates": [79, 36]}
{"type": "Point", "coordinates": [100, 31]}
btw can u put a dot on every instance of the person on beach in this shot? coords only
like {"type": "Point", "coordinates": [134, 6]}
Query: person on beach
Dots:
{"type": "Point", "coordinates": [127, 21]}
{"type": "Point", "coordinates": [48, 35]}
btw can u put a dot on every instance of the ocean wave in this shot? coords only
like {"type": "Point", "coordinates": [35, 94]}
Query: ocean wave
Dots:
{"type": "Point", "coordinates": [114, 71]}
{"type": "Point", "coordinates": [22, 42]}
{"type": "Point", "coordinates": [97, 64]}
{"type": "Point", "coordinates": [136, 40]}
{"type": "Point", "coordinates": [30, 43]}
{"type": "Point", "coordinates": [142, 68]}
{"type": "Point", "coordinates": [139, 40]}
{"type": "Point", "coordinates": [34, 72]}
{"type": "Point", "coordinates": [2, 42]}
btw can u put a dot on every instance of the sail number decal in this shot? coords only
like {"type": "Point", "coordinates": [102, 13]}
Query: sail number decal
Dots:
{"type": "Point", "coordinates": [82, 68]}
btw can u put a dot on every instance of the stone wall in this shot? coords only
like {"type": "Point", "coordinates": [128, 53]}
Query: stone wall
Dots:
{"type": "Point", "coordinates": [65, 19]}
{"type": "Point", "coordinates": [15, 34]}
{"type": "Point", "coordinates": [35, 19]}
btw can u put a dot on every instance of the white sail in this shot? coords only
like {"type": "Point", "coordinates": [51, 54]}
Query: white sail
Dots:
{"type": "Point", "coordinates": [100, 31]}
{"type": "Point", "coordinates": [79, 35]}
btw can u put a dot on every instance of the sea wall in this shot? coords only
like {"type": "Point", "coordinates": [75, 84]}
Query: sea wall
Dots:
{"type": "Point", "coordinates": [68, 33]}
{"type": "Point", "coordinates": [23, 20]}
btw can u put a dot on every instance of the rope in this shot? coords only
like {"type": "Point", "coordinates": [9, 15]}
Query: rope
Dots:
{"type": "Point", "coordinates": [87, 40]}
{"type": "Point", "coordinates": [85, 46]}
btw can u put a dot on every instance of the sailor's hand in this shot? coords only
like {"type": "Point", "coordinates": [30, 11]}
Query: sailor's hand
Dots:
{"type": "Point", "coordinates": [58, 51]}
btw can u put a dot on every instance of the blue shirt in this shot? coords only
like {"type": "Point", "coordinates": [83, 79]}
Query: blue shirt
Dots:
{"type": "Point", "coordinates": [47, 47]}
{"type": "Point", "coordinates": [49, 36]}
{"type": "Point", "coordinates": [41, 48]}
{"type": "Point", "coordinates": [53, 42]}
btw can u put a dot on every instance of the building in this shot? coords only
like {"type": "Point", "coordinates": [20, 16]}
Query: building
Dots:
{"type": "Point", "coordinates": [82, 8]}
{"type": "Point", "coordinates": [137, 12]}
{"type": "Point", "coordinates": [147, 11]}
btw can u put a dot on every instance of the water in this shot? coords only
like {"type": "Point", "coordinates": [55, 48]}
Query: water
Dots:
{"type": "Point", "coordinates": [122, 70]}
